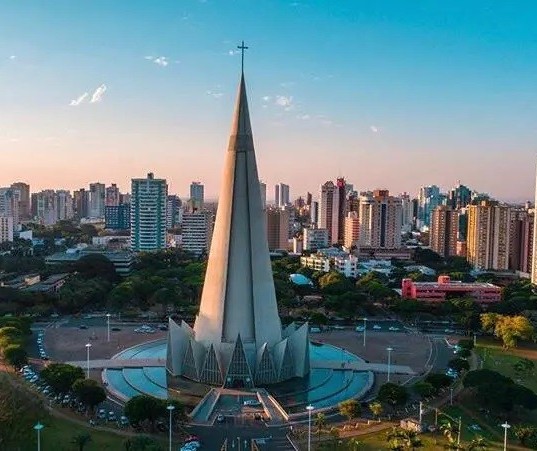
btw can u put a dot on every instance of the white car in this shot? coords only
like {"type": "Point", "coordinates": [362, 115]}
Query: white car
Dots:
{"type": "Point", "coordinates": [251, 402]}
{"type": "Point", "coordinates": [376, 327]}
{"type": "Point", "coordinates": [393, 328]}
{"type": "Point", "coordinates": [359, 328]}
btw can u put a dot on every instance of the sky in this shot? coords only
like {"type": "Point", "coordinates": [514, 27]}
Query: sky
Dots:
{"type": "Point", "coordinates": [389, 94]}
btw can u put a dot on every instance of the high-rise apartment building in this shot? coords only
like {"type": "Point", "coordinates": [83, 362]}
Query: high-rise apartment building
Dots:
{"type": "Point", "coordinates": [407, 213]}
{"type": "Point", "coordinates": [197, 231]}
{"type": "Point", "coordinates": [24, 200]}
{"type": "Point", "coordinates": [148, 214]}
{"type": "Point", "coordinates": [314, 213]}
{"type": "Point", "coordinates": [197, 196]}
{"type": "Point", "coordinates": [380, 220]}
{"type": "Point", "coordinates": [487, 244]}
{"type": "Point", "coordinates": [315, 239]}
{"type": "Point", "coordinates": [112, 198]}
{"type": "Point", "coordinates": [9, 204]}
{"type": "Point", "coordinates": [521, 240]}
{"type": "Point", "coordinates": [81, 203]}
{"type": "Point", "coordinates": [342, 190]}
{"type": "Point", "coordinates": [174, 211]}
{"type": "Point", "coordinates": [263, 191]}
{"type": "Point", "coordinates": [352, 230]}
{"type": "Point", "coordinates": [278, 220]}
{"type": "Point", "coordinates": [117, 217]}
{"type": "Point", "coordinates": [97, 194]}
{"type": "Point", "coordinates": [6, 229]}
{"type": "Point", "coordinates": [459, 196]}
{"type": "Point", "coordinates": [429, 198]}
{"type": "Point", "coordinates": [64, 205]}
{"type": "Point", "coordinates": [281, 195]}
{"type": "Point", "coordinates": [444, 231]}
{"type": "Point", "coordinates": [534, 245]}
{"type": "Point", "coordinates": [328, 210]}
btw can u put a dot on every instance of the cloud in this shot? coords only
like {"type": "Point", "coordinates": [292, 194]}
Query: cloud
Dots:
{"type": "Point", "coordinates": [286, 102]}
{"type": "Point", "coordinates": [374, 128]}
{"type": "Point", "coordinates": [98, 94]}
{"type": "Point", "coordinates": [215, 94]}
{"type": "Point", "coordinates": [12, 57]}
{"type": "Point", "coordinates": [79, 99]}
{"type": "Point", "coordinates": [303, 117]}
{"type": "Point", "coordinates": [161, 61]}
{"type": "Point", "coordinates": [287, 84]}
{"type": "Point", "coordinates": [233, 52]}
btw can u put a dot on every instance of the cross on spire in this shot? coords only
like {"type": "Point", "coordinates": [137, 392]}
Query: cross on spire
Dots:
{"type": "Point", "coordinates": [242, 48]}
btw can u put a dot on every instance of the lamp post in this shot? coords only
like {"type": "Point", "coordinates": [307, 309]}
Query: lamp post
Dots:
{"type": "Point", "coordinates": [459, 432]}
{"type": "Point", "coordinates": [505, 426]}
{"type": "Point", "coordinates": [170, 409]}
{"type": "Point", "coordinates": [108, 326]}
{"type": "Point", "coordinates": [451, 396]}
{"type": "Point", "coordinates": [88, 346]}
{"type": "Point", "coordinates": [38, 428]}
{"type": "Point", "coordinates": [365, 328]}
{"type": "Point", "coordinates": [389, 349]}
{"type": "Point", "coordinates": [309, 408]}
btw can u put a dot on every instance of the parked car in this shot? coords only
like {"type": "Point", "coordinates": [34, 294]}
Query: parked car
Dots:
{"type": "Point", "coordinates": [101, 414]}
{"type": "Point", "coordinates": [220, 418]}
{"type": "Point", "coordinates": [376, 327]}
{"type": "Point", "coordinates": [359, 328]}
{"type": "Point", "coordinates": [123, 421]}
{"type": "Point", "coordinates": [394, 329]}
{"type": "Point", "coordinates": [251, 403]}
{"type": "Point", "coordinates": [83, 326]}
{"type": "Point", "coordinates": [112, 416]}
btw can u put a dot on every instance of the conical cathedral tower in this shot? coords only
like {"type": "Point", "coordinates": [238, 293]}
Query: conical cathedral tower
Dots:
{"type": "Point", "coordinates": [237, 338]}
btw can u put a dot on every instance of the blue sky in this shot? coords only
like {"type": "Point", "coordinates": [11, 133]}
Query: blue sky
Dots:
{"type": "Point", "coordinates": [392, 94]}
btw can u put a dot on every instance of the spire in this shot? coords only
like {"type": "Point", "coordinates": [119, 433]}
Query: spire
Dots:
{"type": "Point", "coordinates": [241, 118]}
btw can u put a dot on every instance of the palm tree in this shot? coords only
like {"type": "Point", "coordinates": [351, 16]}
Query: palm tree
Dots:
{"type": "Point", "coordinates": [81, 440]}
{"type": "Point", "coordinates": [320, 423]}
{"type": "Point", "coordinates": [449, 430]}
{"type": "Point", "coordinates": [376, 409]}
{"type": "Point", "coordinates": [478, 444]}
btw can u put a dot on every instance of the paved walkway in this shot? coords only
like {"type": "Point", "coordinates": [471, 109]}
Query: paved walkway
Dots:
{"type": "Point", "coordinates": [117, 363]}
{"type": "Point", "coordinates": [362, 366]}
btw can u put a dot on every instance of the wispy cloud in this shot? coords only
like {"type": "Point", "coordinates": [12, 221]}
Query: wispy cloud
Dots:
{"type": "Point", "coordinates": [161, 61]}
{"type": "Point", "coordinates": [287, 84]}
{"type": "Point", "coordinates": [79, 99]}
{"type": "Point", "coordinates": [286, 102]}
{"type": "Point", "coordinates": [12, 57]}
{"type": "Point", "coordinates": [233, 52]}
{"type": "Point", "coordinates": [374, 129]}
{"type": "Point", "coordinates": [98, 94]}
{"type": "Point", "coordinates": [304, 117]}
{"type": "Point", "coordinates": [266, 98]}
{"type": "Point", "coordinates": [214, 94]}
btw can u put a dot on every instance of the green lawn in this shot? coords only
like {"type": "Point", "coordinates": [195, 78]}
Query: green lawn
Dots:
{"type": "Point", "coordinates": [497, 359]}
{"type": "Point", "coordinates": [57, 435]}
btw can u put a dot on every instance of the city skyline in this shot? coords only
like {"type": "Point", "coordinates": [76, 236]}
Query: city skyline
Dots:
{"type": "Point", "coordinates": [402, 96]}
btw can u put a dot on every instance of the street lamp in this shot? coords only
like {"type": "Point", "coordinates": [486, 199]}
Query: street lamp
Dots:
{"type": "Point", "coordinates": [459, 432]}
{"type": "Point", "coordinates": [389, 349]}
{"type": "Point", "coordinates": [38, 428]}
{"type": "Point", "coordinates": [170, 409]}
{"type": "Point", "coordinates": [365, 328]}
{"type": "Point", "coordinates": [88, 346]}
{"type": "Point", "coordinates": [309, 408]}
{"type": "Point", "coordinates": [108, 326]}
{"type": "Point", "coordinates": [505, 426]}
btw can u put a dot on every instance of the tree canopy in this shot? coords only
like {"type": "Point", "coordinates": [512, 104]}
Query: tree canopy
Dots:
{"type": "Point", "coordinates": [510, 329]}
{"type": "Point", "coordinates": [62, 376]}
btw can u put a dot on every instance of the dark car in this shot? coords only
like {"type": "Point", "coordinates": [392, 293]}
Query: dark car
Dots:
{"type": "Point", "coordinates": [82, 326]}
{"type": "Point", "coordinates": [115, 329]}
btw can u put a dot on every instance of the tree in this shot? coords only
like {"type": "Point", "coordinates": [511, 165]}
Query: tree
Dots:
{"type": "Point", "coordinates": [144, 408]}
{"type": "Point", "coordinates": [350, 409]}
{"type": "Point", "coordinates": [141, 443]}
{"type": "Point", "coordinates": [15, 355]}
{"type": "Point", "coordinates": [466, 344]}
{"type": "Point", "coordinates": [376, 409]}
{"type": "Point", "coordinates": [81, 440]}
{"type": "Point", "coordinates": [464, 353]}
{"type": "Point", "coordinates": [438, 380]}
{"type": "Point", "coordinates": [61, 376]}
{"type": "Point", "coordinates": [320, 423]}
{"type": "Point", "coordinates": [524, 367]}
{"type": "Point", "coordinates": [393, 394]}
{"type": "Point", "coordinates": [526, 434]}
{"type": "Point", "coordinates": [510, 329]}
{"type": "Point", "coordinates": [401, 439]}
{"type": "Point", "coordinates": [89, 392]}
{"type": "Point", "coordinates": [450, 430]}
{"type": "Point", "coordinates": [96, 265]}
{"type": "Point", "coordinates": [424, 389]}
{"type": "Point", "coordinates": [334, 283]}
{"type": "Point", "coordinates": [318, 318]}
{"type": "Point", "coordinates": [459, 365]}
{"type": "Point", "coordinates": [478, 444]}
